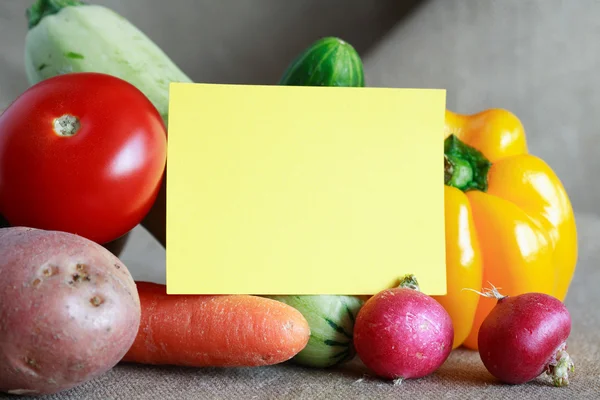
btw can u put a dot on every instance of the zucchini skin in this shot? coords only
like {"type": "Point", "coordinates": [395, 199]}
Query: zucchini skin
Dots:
{"type": "Point", "coordinates": [330, 61]}
{"type": "Point", "coordinates": [94, 38]}
{"type": "Point", "coordinates": [331, 320]}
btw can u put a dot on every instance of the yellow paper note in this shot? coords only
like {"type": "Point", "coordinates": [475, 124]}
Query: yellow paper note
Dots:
{"type": "Point", "coordinates": [304, 190]}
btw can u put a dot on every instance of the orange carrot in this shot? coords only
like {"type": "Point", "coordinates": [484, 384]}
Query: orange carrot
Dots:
{"type": "Point", "coordinates": [215, 331]}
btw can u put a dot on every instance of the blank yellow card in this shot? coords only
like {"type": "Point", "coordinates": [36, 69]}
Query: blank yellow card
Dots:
{"type": "Point", "coordinates": [304, 190]}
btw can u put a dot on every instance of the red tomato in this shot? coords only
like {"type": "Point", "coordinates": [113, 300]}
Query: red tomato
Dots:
{"type": "Point", "coordinates": [98, 175]}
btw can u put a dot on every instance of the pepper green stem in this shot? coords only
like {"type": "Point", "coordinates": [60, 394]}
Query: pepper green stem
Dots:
{"type": "Point", "coordinates": [465, 167]}
{"type": "Point", "coordinates": [40, 8]}
{"type": "Point", "coordinates": [409, 281]}
{"type": "Point", "coordinates": [560, 367]}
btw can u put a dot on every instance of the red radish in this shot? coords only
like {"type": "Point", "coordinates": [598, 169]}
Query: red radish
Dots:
{"type": "Point", "coordinates": [525, 335]}
{"type": "Point", "coordinates": [402, 333]}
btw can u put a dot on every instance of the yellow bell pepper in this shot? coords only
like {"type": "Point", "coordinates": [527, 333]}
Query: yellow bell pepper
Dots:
{"type": "Point", "coordinates": [509, 221]}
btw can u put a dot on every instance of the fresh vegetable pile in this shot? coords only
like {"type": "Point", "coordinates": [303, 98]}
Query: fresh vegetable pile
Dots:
{"type": "Point", "coordinates": [82, 162]}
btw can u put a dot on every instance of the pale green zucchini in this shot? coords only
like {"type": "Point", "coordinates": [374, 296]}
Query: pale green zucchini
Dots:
{"type": "Point", "coordinates": [70, 36]}
{"type": "Point", "coordinates": [331, 321]}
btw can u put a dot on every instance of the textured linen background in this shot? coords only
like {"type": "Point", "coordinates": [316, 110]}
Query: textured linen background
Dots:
{"type": "Point", "coordinates": [537, 58]}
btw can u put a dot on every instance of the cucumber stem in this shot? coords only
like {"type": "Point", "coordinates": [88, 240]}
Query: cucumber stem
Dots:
{"type": "Point", "coordinates": [40, 8]}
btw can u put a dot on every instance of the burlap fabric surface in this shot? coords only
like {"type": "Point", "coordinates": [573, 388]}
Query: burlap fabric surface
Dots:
{"type": "Point", "coordinates": [537, 58]}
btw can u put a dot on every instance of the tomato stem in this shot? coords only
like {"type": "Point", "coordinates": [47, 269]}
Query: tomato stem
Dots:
{"type": "Point", "coordinates": [465, 167]}
{"type": "Point", "coordinates": [66, 125]}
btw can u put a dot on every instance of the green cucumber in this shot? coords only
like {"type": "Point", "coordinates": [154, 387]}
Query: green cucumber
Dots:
{"type": "Point", "coordinates": [330, 61]}
{"type": "Point", "coordinates": [331, 321]}
{"type": "Point", "coordinates": [71, 36]}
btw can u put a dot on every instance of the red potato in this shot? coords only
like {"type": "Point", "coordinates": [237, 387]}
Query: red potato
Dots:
{"type": "Point", "coordinates": [69, 310]}
{"type": "Point", "coordinates": [525, 335]}
{"type": "Point", "coordinates": [402, 333]}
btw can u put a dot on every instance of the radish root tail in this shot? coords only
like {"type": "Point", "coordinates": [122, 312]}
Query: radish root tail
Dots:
{"type": "Point", "coordinates": [397, 381]}
{"type": "Point", "coordinates": [560, 367]}
{"type": "Point", "coordinates": [489, 293]}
